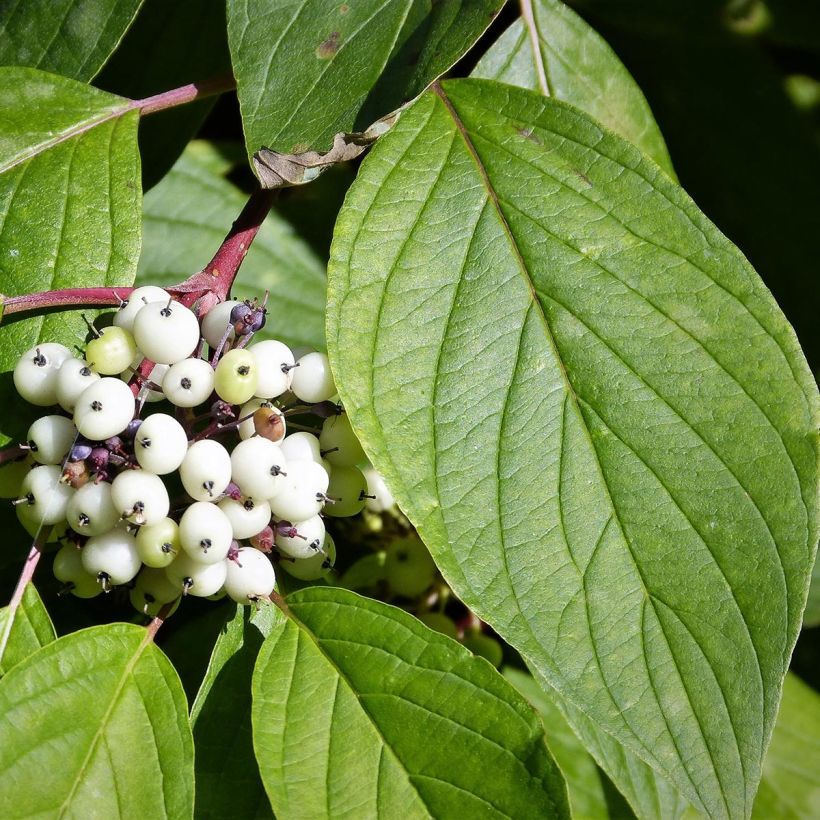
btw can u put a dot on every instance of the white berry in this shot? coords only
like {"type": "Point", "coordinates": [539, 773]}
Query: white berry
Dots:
{"type": "Point", "coordinates": [216, 321]}
{"type": "Point", "coordinates": [46, 497]}
{"type": "Point", "coordinates": [50, 438]}
{"type": "Point", "coordinates": [68, 568]}
{"type": "Point", "coordinates": [35, 374]}
{"type": "Point", "coordinates": [140, 496]}
{"type": "Point", "coordinates": [310, 535]}
{"type": "Point", "coordinates": [160, 444]}
{"type": "Point", "coordinates": [315, 567]}
{"type": "Point", "coordinates": [302, 493]}
{"type": "Point", "coordinates": [139, 297]}
{"type": "Point", "coordinates": [195, 578]}
{"type": "Point", "coordinates": [91, 510]}
{"type": "Point", "coordinates": [271, 357]}
{"type": "Point", "coordinates": [339, 444]}
{"type": "Point", "coordinates": [205, 532]}
{"type": "Point", "coordinates": [247, 517]}
{"type": "Point", "coordinates": [167, 333]}
{"type": "Point", "coordinates": [189, 382]}
{"type": "Point", "coordinates": [312, 379]}
{"type": "Point", "coordinates": [383, 499]}
{"type": "Point", "coordinates": [257, 466]}
{"type": "Point", "coordinates": [112, 557]}
{"type": "Point", "coordinates": [73, 377]}
{"type": "Point", "coordinates": [206, 470]}
{"type": "Point", "coordinates": [249, 576]}
{"type": "Point", "coordinates": [104, 409]}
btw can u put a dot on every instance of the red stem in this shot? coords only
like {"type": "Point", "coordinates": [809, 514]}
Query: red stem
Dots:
{"type": "Point", "coordinates": [84, 297]}
{"type": "Point", "coordinates": [184, 94]}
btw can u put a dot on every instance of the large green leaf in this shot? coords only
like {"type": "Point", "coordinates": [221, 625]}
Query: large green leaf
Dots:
{"type": "Point", "coordinates": [360, 710]}
{"type": "Point", "coordinates": [552, 50]}
{"type": "Point", "coordinates": [186, 218]}
{"type": "Point", "coordinates": [227, 776]}
{"type": "Point", "coordinates": [69, 37]}
{"type": "Point", "coordinates": [811, 617]}
{"type": "Point", "coordinates": [69, 204]}
{"type": "Point", "coordinates": [170, 52]}
{"type": "Point", "coordinates": [310, 69]}
{"type": "Point", "coordinates": [95, 725]}
{"type": "Point", "coordinates": [31, 629]}
{"type": "Point", "coordinates": [592, 409]}
{"type": "Point", "coordinates": [791, 771]}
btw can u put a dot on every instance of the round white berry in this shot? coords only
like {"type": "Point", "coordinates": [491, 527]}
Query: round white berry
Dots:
{"type": "Point", "coordinates": [302, 447]}
{"type": "Point", "coordinates": [139, 297]}
{"type": "Point", "coordinates": [111, 351]}
{"type": "Point", "coordinates": [206, 470]}
{"type": "Point", "coordinates": [303, 492]}
{"type": "Point", "coordinates": [50, 438]}
{"type": "Point", "coordinates": [310, 535]}
{"type": "Point", "coordinates": [73, 377]}
{"type": "Point", "coordinates": [249, 576]}
{"type": "Point", "coordinates": [274, 361]}
{"type": "Point", "coordinates": [216, 321]}
{"type": "Point", "coordinates": [68, 568]}
{"type": "Point", "coordinates": [158, 544]}
{"type": "Point", "coordinates": [312, 379]}
{"type": "Point", "coordinates": [195, 578]}
{"type": "Point", "coordinates": [189, 382]}
{"type": "Point", "coordinates": [257, 466]}
{"type": "Point", "coordinates": [315, 567]}
{"type": "Point", "coordinates": [167, 333]}
{"type": "Point", "coordinates": [104, 409]}
{"type": "Point", "coordinates": [382, 497]}
{"type": "Point", "coordinates": [205, 532]}
{"type": "Point", "coordinates": [35, 374]}
{"type": "Point", "coordinates": [112, 557]}
{"type": "Point", "coordinates": [140, 496]}
{"type": "Point", "coordinates": [160, 444]}
{"type": "Point", "coordinates": [247, 517]}
{"type": "Point", "coordinates": [338, 442]}
{"type": "Point", "coordinates": [46, 497]}
{"type": "Point", "coordinates": [91, 510]}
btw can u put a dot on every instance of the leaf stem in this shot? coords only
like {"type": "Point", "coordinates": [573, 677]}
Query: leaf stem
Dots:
{"type": "Point", "coordinates": [26, 575]}
{"type": "Point", "coordinates": [184, 94]}
{"type": "Point", "coordinates": [65, 298]}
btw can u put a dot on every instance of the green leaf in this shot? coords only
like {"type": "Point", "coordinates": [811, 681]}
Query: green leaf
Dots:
{"type": "Point", "coordinates": [394, 719]}
{"type": "Point", "coordinates": [590, 406]}
{"type": "Point", "coordinates": [186, 218]}
{"type": "Point", "coordinates": [552, 50]}
{"type": "Point", "coordinates": [69, 37]}
{"type": "Point", "coordinates": [30, 630]}
{"type": "Point", "coordinates": [791, 771]}
{"type": "Point", "coordinates": [306, 71]}
{"type": "Point", "coordinates": [170, 51]}
{"type": "Point", "coordinates": [584, 782]}
{"type": "Point", "coordinates": [227, 776]}
{"type": "Point", "coordinates": [95, 724]}
{"type": "Point", "coordinates": [811, 617]}
{"type": "Point", "coordinates": [69, 205]}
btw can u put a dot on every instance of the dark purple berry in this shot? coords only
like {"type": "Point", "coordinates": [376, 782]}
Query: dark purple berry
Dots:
{"type": "Point", "coordinates": [80, 451]}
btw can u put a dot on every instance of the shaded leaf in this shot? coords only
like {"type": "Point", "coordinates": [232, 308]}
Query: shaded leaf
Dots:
{"type": "Point", "coordinates": [791, 772]}
{"type": "Point", "coordinates": [811, 617]}
{"type": "Point", "coordinates": [172, 44]}
{"type": "Point", "coordinates": [69, 205]}
{"type": "Point", "coordinates": [228, 782]}
{"type": "Point", "coordinates": [552, 50]}
{"type": "Point", "coordinates": [69, 37]}
{"type": "Point", "coordinates": [186, 218]}
{"type": "Point", "coordinates": [95, 724]}
{"type": "Point", "coordinates": [310, 70]}
{"type": "Point", "coordinates": [590, 406]}
{"type": "Point", "coordinates": [31, 629]}
{"type": "Point", "coordinates": [360, 689]}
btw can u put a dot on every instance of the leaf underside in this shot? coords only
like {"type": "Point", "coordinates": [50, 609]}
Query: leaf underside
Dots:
{"type": "Point", "coordinates": [95, 722]}
{"type": "Point", "coordinates": [606, 429]}
{"type": "Point", "coordinates": [359, 710]}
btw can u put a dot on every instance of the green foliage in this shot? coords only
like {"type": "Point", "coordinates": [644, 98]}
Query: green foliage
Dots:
{"type": "Point", "coordinates": [184, 220]}
{"type": "Point", "coordinates": [587, 442]}
{"type": "Point", "coordinates": [228, 782]}
{"type": "Point", "coordinates": [29, 630]}
{"type": "Point", "coordinates": [555, 52]}
{"type": "Point", "coordinates": [309, 70]}
{"type": "Point", "coordinates": [69, 37]}
{"type": "Point", "coordinates": [95, 723]}
{"type": "Point", "coordinates": [394, 718]}
{"type": "Point", "coordinates": [69, 204]}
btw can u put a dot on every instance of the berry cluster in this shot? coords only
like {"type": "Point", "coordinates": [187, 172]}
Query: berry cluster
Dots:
{"type": "Point", "coordinates": [101, 470]}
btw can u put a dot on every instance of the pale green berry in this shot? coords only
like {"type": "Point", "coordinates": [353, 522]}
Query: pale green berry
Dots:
{"type": "Point", "coordinates": [112, 351]}
{"type": "Point", "coordinates": [236, 376]}
{"type": "Point", "coordinates": [158, 544]}
{"type": "Point", "coordinates": [348, 489]}
{"type": "Point", "coordinates": [409, 569]}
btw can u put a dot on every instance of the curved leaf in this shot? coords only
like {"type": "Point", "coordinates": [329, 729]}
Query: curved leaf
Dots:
{"type": "Point", "coordinates": [69, 37]}
{"type": "Point", "coordinates": [552, 50]}
{"type": "Point", "coordinates": [595, 414]}
{"type": "Point", "coordinates": [308, 70]}
{"type": "Point", "coordinates": [227, 776]}
{"type": "Point", "coordinates": [95, 724]}
{"type": "Point", "coordinates": [185, 219]}
{"type": "Point", "coordinates": [30, 630]}
{"type": "Point", "coordinates": [811, 617]}
{"type": "Point", "coordinates": [69, 204]}
{"type": "Point", "coordinates": [361, 710]}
